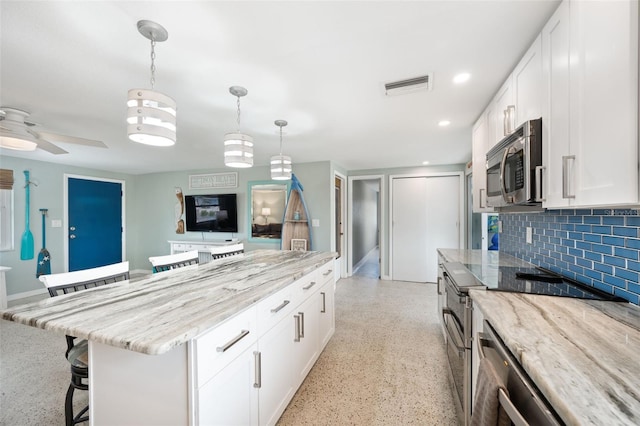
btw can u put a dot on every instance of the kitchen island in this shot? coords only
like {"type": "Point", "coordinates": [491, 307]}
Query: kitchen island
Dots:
{"type": "Point", "coordinates": [583, 355]}
{"type": "Point", "coordinates": [162, 349]}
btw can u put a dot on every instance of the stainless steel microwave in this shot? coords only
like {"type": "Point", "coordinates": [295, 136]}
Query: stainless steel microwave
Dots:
{"type": "Point", "coordinates": [514, 168]}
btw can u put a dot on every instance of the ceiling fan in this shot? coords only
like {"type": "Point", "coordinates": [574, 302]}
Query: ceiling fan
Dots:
{"type": "Point", "coordinates": [16, 133]}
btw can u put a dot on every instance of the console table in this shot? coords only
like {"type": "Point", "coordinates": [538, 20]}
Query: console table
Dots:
{"type": "Point", "coordinates": [203, 247]}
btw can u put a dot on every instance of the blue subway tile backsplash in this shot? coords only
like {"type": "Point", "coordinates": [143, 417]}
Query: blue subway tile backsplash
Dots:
{"type": "Point", "coordinates": [599, 247]}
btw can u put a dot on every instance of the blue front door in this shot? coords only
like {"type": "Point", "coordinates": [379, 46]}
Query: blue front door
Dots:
{"type": "Point", "coordinates": [95, 223]}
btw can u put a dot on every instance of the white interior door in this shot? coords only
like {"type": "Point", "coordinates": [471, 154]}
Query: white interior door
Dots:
{"type": "Point", "coordinates": [410, 227]}
{"type": "Point", "coordinates": [443, 213]}
{"type": "Point", "coordinates": [426, 216]}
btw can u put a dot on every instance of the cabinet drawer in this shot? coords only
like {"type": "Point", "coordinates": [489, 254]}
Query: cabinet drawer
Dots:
{"type": "Point", "coordinates": [326, 272]}
{"type": "Point", "coordinates": [275, 307]}
{"type": "Point", "coordinates": [218, 347]}
{"type": "Point", "coordinates": [179, 247]}
{"type": "Point", "coordinates": [306, 286]}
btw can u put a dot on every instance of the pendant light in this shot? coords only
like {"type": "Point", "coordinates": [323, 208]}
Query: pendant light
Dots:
{"type": "Point", "coordinates": [151, 115]}
{"type": "Point", "coordinates": [238, 147]}
{"type": "Point", "coordinates": [280, 164]}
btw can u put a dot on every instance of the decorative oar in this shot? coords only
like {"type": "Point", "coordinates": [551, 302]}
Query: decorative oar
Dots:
{"type": "Point", "coordinates": [44, 259]}
{"type": "Point", "coordinates": [26, 247]}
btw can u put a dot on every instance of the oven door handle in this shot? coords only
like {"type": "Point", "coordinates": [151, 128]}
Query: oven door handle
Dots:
{"type": "Point", "coordinates": [454, 336]}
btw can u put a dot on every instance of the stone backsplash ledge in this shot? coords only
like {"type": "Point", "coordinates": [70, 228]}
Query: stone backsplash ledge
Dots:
{"type": "Point", "coordinates": [599, 247]}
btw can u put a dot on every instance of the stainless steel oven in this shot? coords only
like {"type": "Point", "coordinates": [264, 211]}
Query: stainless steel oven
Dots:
{"type": "Point", "coordinates": [457, 318]}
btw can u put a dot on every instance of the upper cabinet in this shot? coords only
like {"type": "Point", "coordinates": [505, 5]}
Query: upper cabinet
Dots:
{"type": "Point", "coordinates": [527, 85]}
{"type": "Point", "coordinates": [590, 105]}
{"type": "Point", "coordinates": [479, 140]}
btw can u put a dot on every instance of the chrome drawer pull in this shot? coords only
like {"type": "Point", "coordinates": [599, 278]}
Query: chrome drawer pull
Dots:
{"type": "Point", "coordinates": [324, 303]}
{"type": "Point", "coordinates": [279, 308]}
{"type": "Point", "coordinates": [328, 272]}
{"type": "Point", "coordinates": [565, 175]}
{"type": "Point", "coordinates": [258, 369]}
{"type": "Point", "coordinates": [302, 326]}
{"type": "Point", "coordinates": [309, 286]}
{"type": "Point", "coordinates": [232, 341]}
{"type": "Point", "coordinates": [297, 338]}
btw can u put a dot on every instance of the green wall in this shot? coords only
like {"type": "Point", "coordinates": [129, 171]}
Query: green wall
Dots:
{"type": "Point", "coordinates": [149, 212]}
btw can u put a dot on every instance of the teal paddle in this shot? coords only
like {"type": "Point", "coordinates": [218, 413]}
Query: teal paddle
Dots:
{"type": "Point", "coordinates": [26, 248]}
{"type": "Point", "coordinates": [44, 258]}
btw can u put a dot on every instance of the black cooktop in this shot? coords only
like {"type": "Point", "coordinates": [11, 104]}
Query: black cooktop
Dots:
{"type": "Point", "coordinates": [539, 281]}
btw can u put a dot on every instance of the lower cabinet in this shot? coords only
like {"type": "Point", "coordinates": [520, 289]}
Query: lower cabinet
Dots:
{"type": "Point", "coordinates": [256, 385]}
{"type": "Point", "coordinates": [276, 383]}
{"type": "Point", "coordinates": [477, 326]}
{"type": "Point", "coordinates": [230, 397]}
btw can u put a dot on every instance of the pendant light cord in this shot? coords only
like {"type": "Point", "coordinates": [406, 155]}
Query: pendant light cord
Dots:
{"type": "Point", "coordinates": [153, 63]}
{"type": "Point", "coordinates": [238, 120]}
{"type": "Point", "coordinates": [281, 140]}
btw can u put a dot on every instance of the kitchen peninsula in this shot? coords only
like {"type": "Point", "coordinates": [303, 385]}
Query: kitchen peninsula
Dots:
{"type": "Point", "coordinates": [229, 341]}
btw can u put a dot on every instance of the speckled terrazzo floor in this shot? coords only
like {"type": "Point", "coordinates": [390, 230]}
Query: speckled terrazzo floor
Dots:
{"type": "Point", "coordinates": [385, 365]}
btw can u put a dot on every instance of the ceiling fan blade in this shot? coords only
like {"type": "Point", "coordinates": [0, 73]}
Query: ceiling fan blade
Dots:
{"type": "Point", "coordinates": [71, 139]}
{"type": "Point", "coordinates": [49, 147]}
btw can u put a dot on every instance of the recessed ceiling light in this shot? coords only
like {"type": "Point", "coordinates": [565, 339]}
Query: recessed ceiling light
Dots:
{"type": "Point", "coordinates": [461, 78]}
{"type": "Point", "coordinates": [443, 123]}
{"type": "Point", "coordinates": [425, 163]}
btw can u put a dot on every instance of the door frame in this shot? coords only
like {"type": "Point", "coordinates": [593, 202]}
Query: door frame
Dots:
{"type": "Point", "coordinates": [65, 201]}
{"type": "Point", "coordinates": [343, 219]}
{"type": "Point", "coordinates": [461, 210]}
{"type": "Point", "coordinates": [381, 224]}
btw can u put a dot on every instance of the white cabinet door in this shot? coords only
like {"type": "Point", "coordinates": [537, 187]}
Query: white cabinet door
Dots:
{"type": "Point", "coordinates": [527, 84]}
{"type": "Point", "coordinates": [479, 140]}
{"type": "Point", "coordinates": [505, 120]}
{"type": "Point", "coordinates": [277, 372]}
{"type": "Point", "coordinates": [604, 102]}
{"type": "Point", "coordinates": [493, 137]}
{"type": "Point", "coordinates": [306, 346]}
{"type": "Point", "coordinates": [590, 124]}
{"type": "Point", "coordinates": [555, 106]}
{"type": "Point", "coordinates": [327, 316]}
{"type": "Point", "coordinates": [230, 397]}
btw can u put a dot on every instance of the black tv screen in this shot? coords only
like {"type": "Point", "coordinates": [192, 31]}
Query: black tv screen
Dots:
{"type": "Point", "coordinates": [211, 213]}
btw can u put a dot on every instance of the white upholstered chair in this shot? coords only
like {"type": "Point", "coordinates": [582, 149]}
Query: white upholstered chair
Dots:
{"type": "Point", "coordinates": [174, 261]}
{"type": "Point", "coordinates": [77, 349]}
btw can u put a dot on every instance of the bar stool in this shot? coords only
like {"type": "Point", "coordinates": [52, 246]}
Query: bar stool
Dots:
{"type": "Point", "coordinates": [78, 349]}
{"type": "Point", "coordinates": [174, 261]}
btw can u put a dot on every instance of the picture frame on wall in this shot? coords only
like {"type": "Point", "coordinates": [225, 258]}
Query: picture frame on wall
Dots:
{"type": "Point", "coordinates": [298, 244]}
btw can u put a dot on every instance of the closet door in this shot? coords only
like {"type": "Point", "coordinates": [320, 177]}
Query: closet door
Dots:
{"type": "Point", "coordinates": [409, 222]}
{"type": "Point", "coordinates": [425, 217]}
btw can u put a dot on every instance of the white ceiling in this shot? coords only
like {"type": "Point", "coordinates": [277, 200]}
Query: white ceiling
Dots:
{"type": "Point", "coordinates": [319, 65]}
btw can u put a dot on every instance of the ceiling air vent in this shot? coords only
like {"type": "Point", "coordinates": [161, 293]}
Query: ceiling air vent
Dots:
{"type": "Point", "coordinates": [409, 85]}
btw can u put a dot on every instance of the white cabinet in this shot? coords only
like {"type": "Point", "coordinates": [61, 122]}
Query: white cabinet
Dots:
{"type": "Point", "coordinates": [527, 85]}
{"type": "Point", "coordinates": [479, 140]}
{"type": "Point", "coordinates": [519, 98]}
{"type": "Point", "coordinates": [276, 372]}
{"type": "Point", "coordinates": [246, 370]}
{"type": "Point", "coordinates": [327, 323]}
{"type": "Point", "coordinates": [306, 347]}
{"type": "Point", "coordinates": [504, 119]}
{"type": "Point", "coordinates": [230, 398]}
{"type": "Point", "coordinates": [590, 114]}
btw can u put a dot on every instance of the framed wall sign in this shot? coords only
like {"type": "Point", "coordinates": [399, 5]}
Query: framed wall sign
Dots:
{"type": "Point", "coordinates": [214, 180]}
{"type": "Point", "coordinates": [298, 244]}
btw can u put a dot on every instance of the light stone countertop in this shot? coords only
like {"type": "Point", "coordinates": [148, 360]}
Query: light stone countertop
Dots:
{"type": "Point", "coordinates": [165, 310]}
{"type": "Point", "coordinates": [583, 355]}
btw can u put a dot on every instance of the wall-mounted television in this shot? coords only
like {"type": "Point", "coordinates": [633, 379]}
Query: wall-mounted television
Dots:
{"type": "Point", "coordinates": [211, 213]}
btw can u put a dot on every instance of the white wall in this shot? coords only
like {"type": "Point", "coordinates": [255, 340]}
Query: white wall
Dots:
{"type": "Point", "coordinates": [365, 219]}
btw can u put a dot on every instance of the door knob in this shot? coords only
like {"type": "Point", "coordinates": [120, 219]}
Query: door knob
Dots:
{"type": "Point", "coordinates": [72, 236]}
{"type": "Point", "coordinates": [72, 228]}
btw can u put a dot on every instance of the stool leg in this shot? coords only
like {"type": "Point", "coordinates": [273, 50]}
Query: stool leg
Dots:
{"type": "Point", "coordinates": [68, 406]}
